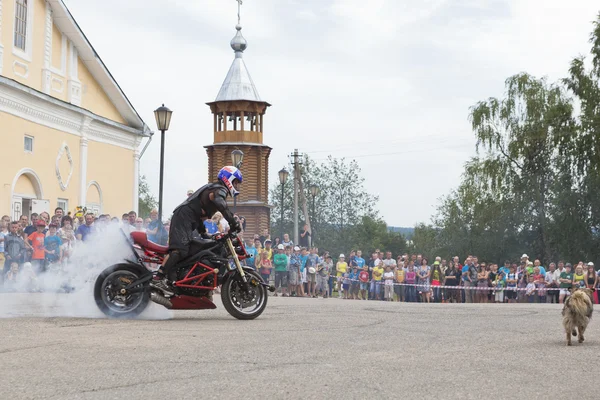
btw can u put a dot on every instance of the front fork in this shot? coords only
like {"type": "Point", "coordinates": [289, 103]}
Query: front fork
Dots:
{"type": "Point", "coordinates": [237, 261]}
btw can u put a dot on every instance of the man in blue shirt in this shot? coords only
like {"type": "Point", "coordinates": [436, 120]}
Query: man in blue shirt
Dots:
{"type": "Point", "coordinates": [84, 231]}
{"type": "Point", "coordinates": [358, 261]}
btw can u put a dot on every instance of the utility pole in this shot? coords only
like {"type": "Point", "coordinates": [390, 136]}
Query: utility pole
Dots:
{"type": "Point", "coordinates": [295, 163]}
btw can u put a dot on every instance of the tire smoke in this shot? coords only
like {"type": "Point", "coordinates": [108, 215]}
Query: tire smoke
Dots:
{"type": "Point", "coordinates": [68, 291]}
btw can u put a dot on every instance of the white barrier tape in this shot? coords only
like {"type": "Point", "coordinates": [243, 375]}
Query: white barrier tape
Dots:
{"type": "Point", "coordinates": [421, 285]}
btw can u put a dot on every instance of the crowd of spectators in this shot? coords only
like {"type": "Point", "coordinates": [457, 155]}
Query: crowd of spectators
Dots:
{"type": "Point", "coordinates": [31, 247]}
{"type": "Point", "coordinates": [303, 271]}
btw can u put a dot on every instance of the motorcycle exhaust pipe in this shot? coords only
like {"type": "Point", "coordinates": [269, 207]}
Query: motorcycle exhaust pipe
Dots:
{"type": "Point", "coordinates": [163, 301]}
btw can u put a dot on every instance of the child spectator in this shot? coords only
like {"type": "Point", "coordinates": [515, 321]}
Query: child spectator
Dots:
{"type": "Point", "coordinates": [377, 280]}
{"type": "Point", "coordinates": [388, 276]}
{"type": "Point", "coordinates": [354, 284]}
{"type": "Point", "coordinates": [411, 279]}
{"type": "Point", "coordinates": [341, 268]}
{"type": "Point", "coordinates": [540, 284]}
{"type": "Point", "coordinates": [52, 245]}
{"type": "Point", "coordinates": [323, 276]}
{"type": "Point", "coordinates": [499, 284]}
{"type": "Point", "coordinates": [530, 289]}
{"type": "Point", "coordinates": [294, 283]}
{"type": "Point", "coordinates": [10, 280]}
{"type": "Point", "coordinates": [363, 277]}
{"type": "Point", "coordinates": [400, 273]}
{"type": "Point", "coordinates": [265, 266]}
{"type": "Point", "coordinates": [36, 239]}
{"type": "Point", "coordinates": [511, 284]}
{"type": "Point", "coordinates": [566, 282]}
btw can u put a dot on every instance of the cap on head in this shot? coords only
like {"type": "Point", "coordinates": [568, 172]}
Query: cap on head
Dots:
{"type": "Point", "coordinates": [590, 264]}
{"type": "Point", "coordinates": [524, 256]}
{"type": "Point", "coordinates": [342, 256]}
{"type": "Point", "coordinates": [41, 222]}
{"type": "Point", "coordinates": [280, 247]}
{"type": "Point", "coordinates": [436, 263]}
{"type": "Point", "coordinates": [296, 248]}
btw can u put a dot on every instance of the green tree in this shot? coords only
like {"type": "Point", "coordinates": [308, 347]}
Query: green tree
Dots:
{"type": "Point", "coordinates": [146, 201]}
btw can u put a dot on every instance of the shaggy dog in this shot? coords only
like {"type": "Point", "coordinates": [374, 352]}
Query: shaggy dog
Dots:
{"type": "Point", "coordinates": [577, 311]}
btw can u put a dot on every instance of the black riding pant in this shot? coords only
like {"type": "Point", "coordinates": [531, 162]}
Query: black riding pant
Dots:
{"type": "Point", "coordinates": [180, 237]}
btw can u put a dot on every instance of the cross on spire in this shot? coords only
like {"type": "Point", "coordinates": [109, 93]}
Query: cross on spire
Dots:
{"type": "Point", "coordinates": [240, 2]}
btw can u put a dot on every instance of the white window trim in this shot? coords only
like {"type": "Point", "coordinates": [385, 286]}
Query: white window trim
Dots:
{"type": "Point", "coordinates": [32, 144]}
{"type": "Point", "coordinates": [27, 54]}
{"type": "Point", "coordinates": [65, 201]}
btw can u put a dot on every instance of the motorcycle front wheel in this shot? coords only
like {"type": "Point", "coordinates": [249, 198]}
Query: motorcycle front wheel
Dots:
{"type": "Point", "coordinates": [109, 297]}
{"type": "Point", "coordinates": [244, 302]}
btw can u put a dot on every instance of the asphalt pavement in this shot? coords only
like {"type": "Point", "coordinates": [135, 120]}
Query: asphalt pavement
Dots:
{"type": "Point", "coordinates": [299, 348]}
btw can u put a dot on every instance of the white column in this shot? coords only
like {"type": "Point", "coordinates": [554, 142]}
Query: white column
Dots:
{"type": "Point", "coordinates": [136, 179]}
{"type": "Point", "coordinates": [83, 152]}
{"type": "Point", "coordinates": [46, 74]}
{"type": "Point", "coordinates": [1, 48]}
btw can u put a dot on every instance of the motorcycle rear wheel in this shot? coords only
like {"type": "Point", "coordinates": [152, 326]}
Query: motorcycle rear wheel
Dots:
{"type": "Point", "coordinates": [110, 301]}
{"type": "Point", "coordinates": [242, 304]}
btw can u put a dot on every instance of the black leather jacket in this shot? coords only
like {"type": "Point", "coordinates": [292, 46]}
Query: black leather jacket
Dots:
{"type": "Point", "coordinates": [203, 207]}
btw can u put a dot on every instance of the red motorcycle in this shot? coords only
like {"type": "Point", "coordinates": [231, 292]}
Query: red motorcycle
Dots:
{"type": "Point", "coordinates": [123, 290]}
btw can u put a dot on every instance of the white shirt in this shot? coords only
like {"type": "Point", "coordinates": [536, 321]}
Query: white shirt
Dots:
{"type": "Point", "coordinates": [389, 278]}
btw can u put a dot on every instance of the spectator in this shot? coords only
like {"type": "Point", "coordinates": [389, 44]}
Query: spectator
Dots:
{"type": "Point", "coordinates": [36, 239]}
{"type": "Point", "coordinates": [540, 284]}
{"type": "Point", "coordinates": [84, 231]}
{"type": "Point", "coordinates": [452, 278]}
{"type": "Point", "coordinates": [281, 262]}
{"type": "Point", "coordinates": [59, 211]}
{"type": "Point", "coordinates": [579, 276]}
{"type": "Point", "coordinates": [268, 249]}
{"type": "Point", "coordinates": [530, 289]}
{"type": "Point", "coordinates": [424, 288]}
{"type": "Point", "coordinates": [14, 246]}
{"type": "Point", "coordinates": [286, 240]}
{"type": "Point", "coordinates": [53, 246]}
{"type": "Point", "coordinates": [437, 277]}
{"type": "Point", "coordinates": [388, 276]}
{"type": "Point", "coordinates": [499, 283]}
{"type": "Point", "coordinates": [33, 227]}
{"type": "Point", "coordinates": [377, 280]}
{"type": "Point", "coordinates": [67, 235]}
{"type": "Point", "coordinates": [158, 234]}
{"type": "Point", "coordinates": [252, 253]}
{"type": "Point", "coordinates": [324, 269]}
{"type": "Point", "coordinates": [265, 236]}
{"type": "Point", "coordinates": [591, 276]}
{"type": "Point", "coordinates": [566, 283]}
{"type": "Point", "coordinates": [303, 261]}
{"type": "Point", "coordinates": [139, 225]}
{"type": "Point", "coordinates": [3, 234]}
{"type": "Point", "coordinates": [511, 284]}
{"type": "Point", "coordinates": [552, 283]}
{"type": "Point", "coordinates": [400, 274]}
{"type": "Point", "coordinates": [467, 280]}
{"type": "Point", "coordinates": [482, 283]}
{"type": "Point", "coordinates": [346, 285]}
{"type": "Point", "coordinates": [305, 236]}
{"type": "Point", "coordinates": [311, 272]}
{"type": "Point", "coordinates": [411, 280]}
{"type": "Point", "coordinates": [295, 283]}
{"type": "Point", "coordinates": [265, 266]}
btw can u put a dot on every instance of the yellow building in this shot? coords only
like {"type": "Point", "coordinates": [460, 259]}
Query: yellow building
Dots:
{"type": "Point", "coordinates": [68, 134]}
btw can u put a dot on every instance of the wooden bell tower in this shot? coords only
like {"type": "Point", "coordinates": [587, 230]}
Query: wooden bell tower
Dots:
{"type": "Point", "coordinates": [238, 115]}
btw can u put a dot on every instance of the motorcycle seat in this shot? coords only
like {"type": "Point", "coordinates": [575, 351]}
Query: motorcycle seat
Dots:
{"type": "Point", "coordinates": [141, 239]}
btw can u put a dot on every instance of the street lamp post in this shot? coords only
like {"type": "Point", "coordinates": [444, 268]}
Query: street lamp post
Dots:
{"type": "Point", "coordinates": [283, 176]}
{"type": "Point", "coordinates": [237, 156]}
{"type": "Point", "coordinates": [163, 120]}
{"type": "Point", "coordinates": [314, 191]}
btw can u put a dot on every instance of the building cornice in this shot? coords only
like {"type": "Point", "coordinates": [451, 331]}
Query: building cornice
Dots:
{"type": "Point", "coordinates": [29, 104]}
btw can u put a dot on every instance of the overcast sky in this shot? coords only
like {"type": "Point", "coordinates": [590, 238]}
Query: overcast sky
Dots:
{"type": "Point", "coordinates": [388, 82]}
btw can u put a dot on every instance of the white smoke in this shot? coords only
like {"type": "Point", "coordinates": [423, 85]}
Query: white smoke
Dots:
{"type": "Point", "coordinates": [69, 291]}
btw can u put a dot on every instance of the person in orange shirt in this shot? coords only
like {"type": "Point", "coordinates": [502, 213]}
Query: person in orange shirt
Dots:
{"type": "Point", "coordinates": [36, 239]}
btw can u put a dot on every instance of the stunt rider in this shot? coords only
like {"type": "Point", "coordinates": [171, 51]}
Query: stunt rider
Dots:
{"type": "Point", "coordinates": [189, 216]}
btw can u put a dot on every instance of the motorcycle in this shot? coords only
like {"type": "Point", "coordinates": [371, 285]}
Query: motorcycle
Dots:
{"type": "Point", "coordinates": [123, 290]}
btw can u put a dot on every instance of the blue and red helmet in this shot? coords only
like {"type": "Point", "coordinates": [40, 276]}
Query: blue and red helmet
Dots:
{"type": "Point", "coordinates": [228, 175]}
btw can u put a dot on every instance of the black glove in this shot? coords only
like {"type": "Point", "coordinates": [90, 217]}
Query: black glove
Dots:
{"type": "Point", "coordinates": [237, 228]}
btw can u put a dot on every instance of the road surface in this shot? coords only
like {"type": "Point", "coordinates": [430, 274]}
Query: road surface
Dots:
{"type": "Point", "coordinates": [299, 348]}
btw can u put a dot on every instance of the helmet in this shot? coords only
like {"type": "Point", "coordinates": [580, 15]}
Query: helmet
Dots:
{"type": "Point", "coordinates": [227, 175]}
